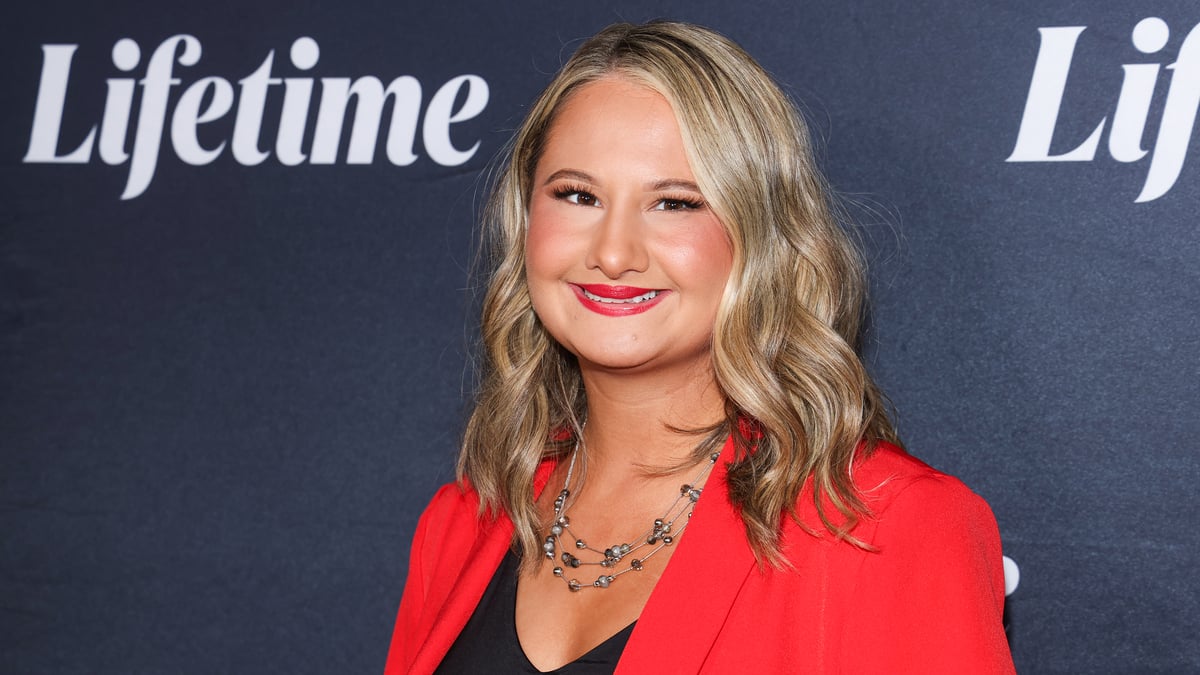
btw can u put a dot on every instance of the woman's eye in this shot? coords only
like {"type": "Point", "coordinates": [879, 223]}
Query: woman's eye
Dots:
{"type": "Point", "coordinates": [679, 204]}
{"type": "Point", "coordinates": [576, 197]}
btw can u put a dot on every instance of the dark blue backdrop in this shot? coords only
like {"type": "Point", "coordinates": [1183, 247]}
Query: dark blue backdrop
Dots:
{"type": "Point", "coordinates": [223, 402]}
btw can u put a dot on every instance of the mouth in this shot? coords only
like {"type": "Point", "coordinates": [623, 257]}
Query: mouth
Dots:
{"type": "Point", "coordinates": [617, 300]}
{"type": "Point", "coordinates": [612, 298]}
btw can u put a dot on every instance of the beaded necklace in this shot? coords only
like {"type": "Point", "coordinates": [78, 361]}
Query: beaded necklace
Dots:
{"type": "Point", "coordinates": [661, 533]}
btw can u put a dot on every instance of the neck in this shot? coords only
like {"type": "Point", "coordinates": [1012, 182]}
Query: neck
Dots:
{"type": "Point", "coordinates": [631, 417]}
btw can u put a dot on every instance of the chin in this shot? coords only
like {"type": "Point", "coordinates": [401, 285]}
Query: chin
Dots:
{"type": "Point", "coordinates": [610, 356]}
{"type": "Point", "coordinates": [609, 361]}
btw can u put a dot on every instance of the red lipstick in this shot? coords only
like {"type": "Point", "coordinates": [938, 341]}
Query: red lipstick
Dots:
{"type": "Point", "coordinates": [615, 292]}
{"type": "Point", "coordinates": [612, 300]}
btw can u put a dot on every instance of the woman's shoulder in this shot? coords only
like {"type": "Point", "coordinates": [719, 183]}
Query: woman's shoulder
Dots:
{"type": "Point", "coordinates": [448, 528]}
{"type": "Point", "coordinates": [889, 476]}
{"type": "Point", "coordinates": [453, 513]}
{"type": "Point", "coordinates": [451, 503]}
{"type": "Point", "coordinates": [933, 577]}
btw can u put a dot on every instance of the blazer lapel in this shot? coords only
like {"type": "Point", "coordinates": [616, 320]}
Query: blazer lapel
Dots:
{"type": "Point", "coordinates": [491, 541]}
{"type": "Point", "coordinates": [689, 604]}
{"type": "Point", "coordinates": [480, 565]}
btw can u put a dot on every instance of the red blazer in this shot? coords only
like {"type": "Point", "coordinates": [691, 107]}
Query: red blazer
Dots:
{"type": "Point", "coordinates": [929, 600]}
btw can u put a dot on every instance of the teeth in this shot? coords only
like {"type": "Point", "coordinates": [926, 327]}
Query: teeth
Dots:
{"type": "Point", "coordinates": [649, 295]}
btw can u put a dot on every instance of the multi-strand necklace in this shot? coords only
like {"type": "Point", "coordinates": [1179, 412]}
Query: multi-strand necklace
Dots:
{"type": "Point", "coordinates": [663, 532]}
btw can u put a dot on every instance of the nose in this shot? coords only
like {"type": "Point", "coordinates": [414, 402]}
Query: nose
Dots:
{"type": "Point", "coordinates": [618, 244]}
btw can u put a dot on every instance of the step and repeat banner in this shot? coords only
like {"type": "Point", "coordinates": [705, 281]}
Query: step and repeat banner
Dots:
{"type": "Point", "coordinates": [235, 302]}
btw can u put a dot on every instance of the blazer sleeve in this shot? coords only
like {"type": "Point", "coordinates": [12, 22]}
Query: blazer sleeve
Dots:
{"type": "Point", "coordinates": [935, 590]}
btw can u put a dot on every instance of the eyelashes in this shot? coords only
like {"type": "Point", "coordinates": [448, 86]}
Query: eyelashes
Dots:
{"type": "Point", "coordinates": [577, 194]}
{"type": "Point", "coordinates": [679, 204]}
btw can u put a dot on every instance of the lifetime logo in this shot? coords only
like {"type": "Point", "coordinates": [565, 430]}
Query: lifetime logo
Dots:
{"type": "Point", "coordinates": [211, 98]}
{"type": "Point", "coordinates": [1050, 71]}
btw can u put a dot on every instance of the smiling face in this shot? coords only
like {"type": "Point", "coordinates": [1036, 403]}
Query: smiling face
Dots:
{"type": "Point", "coordinates": [625, 262]}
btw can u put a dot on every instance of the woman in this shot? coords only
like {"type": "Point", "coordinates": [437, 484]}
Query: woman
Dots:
{"type": "Point", "coordinates": [676, 461]}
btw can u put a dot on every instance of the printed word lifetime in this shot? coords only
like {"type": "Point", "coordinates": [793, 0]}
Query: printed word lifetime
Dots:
{"type": "Point", "coordinates": [1049, 82]}
{"type": "Point", "coordinates": [210, 98]}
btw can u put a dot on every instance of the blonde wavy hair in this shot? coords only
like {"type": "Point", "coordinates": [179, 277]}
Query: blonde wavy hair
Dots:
{"type": "Point", "coordinates": [799, 403]}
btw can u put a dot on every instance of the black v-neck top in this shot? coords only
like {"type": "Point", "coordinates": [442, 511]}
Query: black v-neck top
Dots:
{"type": "Point", "coordinates": [489, 644]}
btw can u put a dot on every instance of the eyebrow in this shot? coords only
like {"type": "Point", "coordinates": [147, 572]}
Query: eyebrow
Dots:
{"type": "Point", "coordinates": [657, 186]}
{"type": "Point", "coordinates": [675, 184]}
{"type": "Point", "coordinates": [568, 173]}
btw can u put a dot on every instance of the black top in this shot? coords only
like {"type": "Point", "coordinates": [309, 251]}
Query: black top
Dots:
{"type": "Point", "coordinates": [489, 644]}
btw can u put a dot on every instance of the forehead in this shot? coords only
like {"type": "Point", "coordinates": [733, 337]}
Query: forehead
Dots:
{"type": "Point", "coordinates": [615, 119]}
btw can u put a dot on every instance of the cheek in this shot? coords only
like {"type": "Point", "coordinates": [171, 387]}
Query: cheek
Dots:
{"type": "Point", "coordinates": [704, 257]}
{"type": "Point", "coordinates": [556, 239]}
{"type": "Point", "coordinates": [536, 235]}
{"type": "Point", "coordinates": [549, 253]}
{"type": "Point", "coordinates": [719, 253]}
{"type": "Point", "coordinates": [544, 245]}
